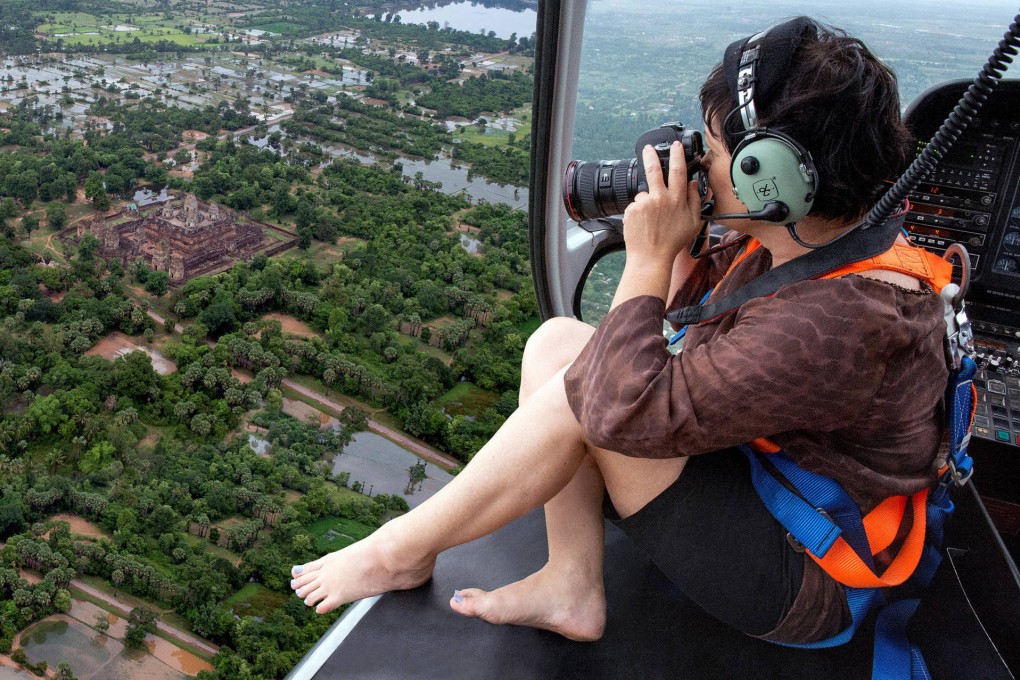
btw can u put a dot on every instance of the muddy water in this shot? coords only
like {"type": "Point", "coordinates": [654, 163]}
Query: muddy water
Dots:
{"type": "Point", "coordinates": [176, 658]}
{"type": "Point", "coordinates": [94, 656]}
{"type": "Point", "coordinates": [86, 612]}
{"type": "Point", "coordinates": [11, 673]}
{"type": "Point", "coordinates": [61, 638]}
{"type": "Point", "coordinates": [382, 467]}
{"type": "Point", "coordinates": [135, 664]}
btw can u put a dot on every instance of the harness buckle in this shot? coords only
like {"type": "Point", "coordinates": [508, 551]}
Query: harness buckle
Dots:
{"type": "Point", "coordinates": [794, 543]}
{"type": "Point", "coordinates": [797, 545]}
{"type": "Point", "coordinates": [959, 478]}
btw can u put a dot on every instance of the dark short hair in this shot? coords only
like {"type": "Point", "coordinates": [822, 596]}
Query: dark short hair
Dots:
{"type": "Point", "coordinates": [839, 102]}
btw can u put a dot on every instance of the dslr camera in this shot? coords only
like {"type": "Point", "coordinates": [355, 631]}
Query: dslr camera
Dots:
{"type": "Point", "coordinates": [595, 189]}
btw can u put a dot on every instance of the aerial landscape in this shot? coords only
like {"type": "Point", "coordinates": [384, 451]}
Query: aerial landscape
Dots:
{"type": "Point", "coordinates": [265, 282]}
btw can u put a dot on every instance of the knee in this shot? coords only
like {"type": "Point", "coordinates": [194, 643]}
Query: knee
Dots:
{"type": "Point", "coordinates": [556, 343]}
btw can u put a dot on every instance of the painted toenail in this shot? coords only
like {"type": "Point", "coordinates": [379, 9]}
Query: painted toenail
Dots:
{"type": "Point", "coordinates": [298, 593]}
{"type": "Point", "coordinates": [457, 597]}
{"type": "Point", "coordinates": [297, 569]}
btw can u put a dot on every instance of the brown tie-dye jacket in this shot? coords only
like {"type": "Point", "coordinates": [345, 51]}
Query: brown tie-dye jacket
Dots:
{"type": "Point", "coordinates": [847, 375]}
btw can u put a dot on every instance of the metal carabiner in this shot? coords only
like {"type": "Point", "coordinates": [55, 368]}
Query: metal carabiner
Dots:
{"type": "Point", "coordinates": [959, 334]}
{"type": "Point", "coordinates": [960, 252]}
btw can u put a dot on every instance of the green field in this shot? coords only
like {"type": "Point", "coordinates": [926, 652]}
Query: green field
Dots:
{"type": "Point", "coordinates": [494, 136]}
{"type": "Point", "coordinates": [530, 326]}
{"type": "Point", "coordinates": [255, 600]}
{"type": "Point", "coordinates": [466, 399]}
{"type": "Point", "coordinates": [344, 532]}
{"type": "Point", "coordinates": [79, 28]}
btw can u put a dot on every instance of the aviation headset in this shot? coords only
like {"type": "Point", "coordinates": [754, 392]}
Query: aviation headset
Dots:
{"type": "Point", "coordinates": [771, 172]}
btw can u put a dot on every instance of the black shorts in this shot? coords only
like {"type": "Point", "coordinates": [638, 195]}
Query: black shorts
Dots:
{"type": "Point", "coordinates": [712, 536]}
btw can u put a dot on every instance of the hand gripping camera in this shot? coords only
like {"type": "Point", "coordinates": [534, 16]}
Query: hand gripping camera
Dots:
{"type": "Point", "coordinates": [594, 189]}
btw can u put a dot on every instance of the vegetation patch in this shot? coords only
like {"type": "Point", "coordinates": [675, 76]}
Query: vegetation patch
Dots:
{"type": "Point", "coordinates": [466, 399]}
{"type": "Point", "coordinates": [255, 600]}
{"type": "Point", "coordinates": [333, 533]}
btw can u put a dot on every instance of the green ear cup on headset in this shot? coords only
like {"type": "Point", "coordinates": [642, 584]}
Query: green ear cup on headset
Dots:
{"type": "Point", "coordinates": [770, 167]}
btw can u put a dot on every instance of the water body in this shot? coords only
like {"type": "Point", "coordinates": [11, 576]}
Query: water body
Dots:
{"type": "Point", "coordinates": [472, 245]}
{"type": "Point", "coordinates": [382, 467]}
{"type": "Point", "coordinates": [455, 178]}
{"type": "Point", "coordinates": [471, 17]}
{"type": "Point", "coordinates": [259, 445]}
{"type": "Point", "coordinates": [144, 197]}
{"type": "Point", "coordinates": [54, 641]}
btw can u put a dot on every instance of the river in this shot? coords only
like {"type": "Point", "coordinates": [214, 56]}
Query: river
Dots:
{"type": "Point", "coordinates": [475, 18]}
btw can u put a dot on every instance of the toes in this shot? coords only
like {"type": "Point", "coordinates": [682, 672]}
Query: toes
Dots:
{"type": "Point", "coordinates": [303, 580]}
{"type": "Point", "coordinates": [328, 605]}
{"type": "Point", "coordinates": [302, 569]}
{"type": "Point", "coordinates": [468, 602]}
{"type": "Point", "coordinates": [315, 596]}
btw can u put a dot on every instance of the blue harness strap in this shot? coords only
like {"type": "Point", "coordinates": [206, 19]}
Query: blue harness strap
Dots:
{"type": "Point", "coordinates": [816, 510]}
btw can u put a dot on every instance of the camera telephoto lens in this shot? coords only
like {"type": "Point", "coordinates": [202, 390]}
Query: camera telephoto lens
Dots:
{"type": "Point", "coordinates": [595, 189]}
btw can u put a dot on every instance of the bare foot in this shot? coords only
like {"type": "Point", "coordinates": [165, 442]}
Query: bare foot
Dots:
{"type": "Point", "coordinates": [369, 567]}
{"type": "Point", "coordinates": [572, 605]}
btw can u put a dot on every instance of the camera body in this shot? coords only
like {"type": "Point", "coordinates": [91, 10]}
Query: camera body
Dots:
{"type": "Point", "coordinates": [594, 189]}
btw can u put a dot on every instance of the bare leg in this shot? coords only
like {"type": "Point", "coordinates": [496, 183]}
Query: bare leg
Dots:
{"type": "Point", "coordinates": [567, 595]}
{"type": "Point", "coordinates": [520, 468]}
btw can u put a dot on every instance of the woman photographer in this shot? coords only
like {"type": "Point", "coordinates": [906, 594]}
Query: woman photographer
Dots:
{"type": "Point", "coordinates": [845, 374]}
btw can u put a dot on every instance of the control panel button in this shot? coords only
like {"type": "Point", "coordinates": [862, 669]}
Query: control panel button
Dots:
{"type": "Point", "coordinates": [1002, 435]}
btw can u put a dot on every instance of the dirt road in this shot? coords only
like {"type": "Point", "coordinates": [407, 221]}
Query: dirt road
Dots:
{"type": "Point", "coordinates": [175, 633]}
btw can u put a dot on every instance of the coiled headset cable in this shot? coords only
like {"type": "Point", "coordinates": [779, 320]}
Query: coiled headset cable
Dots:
{"type": "Point", "coordinates": [949, 132]}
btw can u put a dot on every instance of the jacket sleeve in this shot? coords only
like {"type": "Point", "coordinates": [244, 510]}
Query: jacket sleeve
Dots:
{"type": "Point", "coordinates": [790, 362]}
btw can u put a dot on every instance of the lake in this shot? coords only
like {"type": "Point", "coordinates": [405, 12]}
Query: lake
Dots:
{"type": "Point", "coordinates": [382, 467]}
{"type": "Point", "coordinates": [474, 18]}
{"type": "Point", "coordinates": [455, 177]}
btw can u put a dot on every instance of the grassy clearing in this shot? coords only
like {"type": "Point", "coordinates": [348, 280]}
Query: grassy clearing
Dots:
{"type": "Point", "coordinates": [80, 28]}
{"type": "Point", "coordinates": [466, 399]}
{"type": "Point", "coordinates": [255, 600]}
{"type": "Point", "coordinates": [488, 137]}
{"type": "Point", "coordinates": [530, 326]}
{"type": "Point", "coordinates": [334, 533]}
{"type": "Point", "coordinates": [219, 551]}
{"type": "Point", "coordinates": [308, 381]}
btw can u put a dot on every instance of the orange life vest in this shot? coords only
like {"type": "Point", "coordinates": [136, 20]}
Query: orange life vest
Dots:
{"type": "Point", "coordinates": [882, 524]}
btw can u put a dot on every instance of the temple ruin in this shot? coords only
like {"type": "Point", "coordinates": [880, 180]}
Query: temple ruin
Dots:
{"type": "Point", "coordinates": [182, 237]}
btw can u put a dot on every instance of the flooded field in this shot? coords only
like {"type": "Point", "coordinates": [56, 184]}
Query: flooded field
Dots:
{"type": "Point", "coordinates": [382, 467]}
{"type": "Point", "coordinates": [61, 638]}
{"type": "Point", "coordinates": [95, 656]}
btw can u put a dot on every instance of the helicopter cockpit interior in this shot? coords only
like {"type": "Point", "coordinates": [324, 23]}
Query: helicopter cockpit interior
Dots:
{"type": "Point", "coordinates": [606, 71]}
